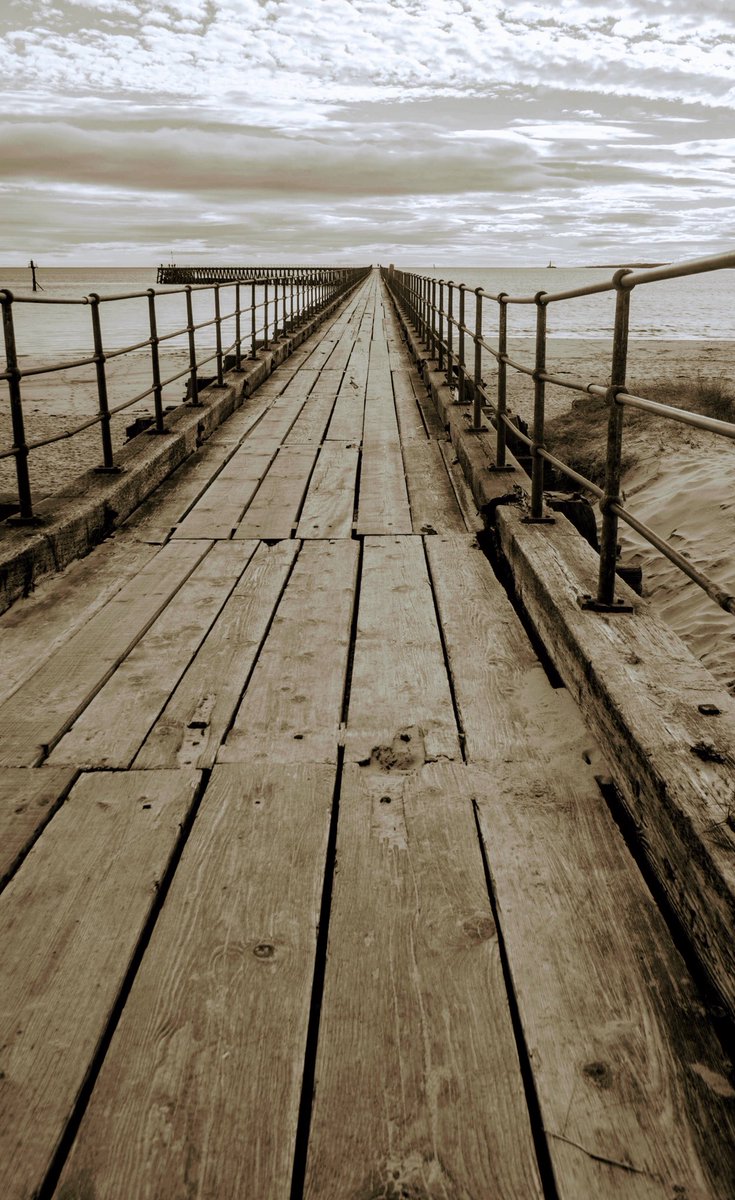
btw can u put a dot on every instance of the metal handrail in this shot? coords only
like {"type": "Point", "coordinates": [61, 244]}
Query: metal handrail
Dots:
{"type": "Point", "coordinates": [290, 297]}
{"type": "Point", "coordinates": [422, 298]}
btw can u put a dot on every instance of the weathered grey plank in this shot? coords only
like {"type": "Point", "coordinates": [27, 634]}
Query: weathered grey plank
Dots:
{"type": "Point", "coordinates": [642, 693]}
{"type": "Point", "coordinates": [314, 417]}
{"type": "Point", "coordinates": [29, 797]}
{"type": "Point", "coordinates": [292, 709]}
{"type": "Point", "coordinates": [221, 506]}
{"type": "Point", "coordinates": [400, 702]}
{"type": "Point", "coordinates": [434, 507]}
{"type": "Point", "coordinates": [418, 1090]}
{"type": "Point", "coordinates": [112, 728]}
{"type": "Point", "coordinates": [274, 512]}
{"type": "Point", "coordinates": [70, 920]}
{"type": "Point", "coordinates": [632, 1082]}
{"type": "Point", "coordinates": [410, 420]}
{"type": "Point", "coordinates": [330, 501]}
{"type": "Point", "coordinates": [193, 723]}
{"type": "Point", "coordinates": [200, 1091]}
{"type": "Point", "coordinates": [42, 709]}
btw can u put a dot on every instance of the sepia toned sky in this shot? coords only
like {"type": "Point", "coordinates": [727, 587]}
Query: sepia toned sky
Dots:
{"type": "Point", "coordinates": [419, 132]}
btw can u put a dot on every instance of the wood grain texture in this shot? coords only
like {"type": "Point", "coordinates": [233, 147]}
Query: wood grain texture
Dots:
{"type": "Point", "coordinates": [200, 1090]}
{"type": "Point", "coordinates": [29, 797]}
{"type": "Point", "coordinates": [465, 499]}
{"type": "Point", "coordinates": [193, 723]}
{"type": "Point", "coordinates": [641, 689]}
{"type": "Point", "coordinates": [348, 414]}
{"type": "Point", "coordinates": [400, 702]}
{"type": "Point", "coordinates": [311, 423]}
{"type": "Point", "coordinates": [221, 506]}
{"type": "Point", "coordinates": [274, 512]}
{"type": "Point", "coordinates": [633, 1085]}
{"type": "Point", "coordinates": [330, 501]}
{"type": "Point", "coordinates": [292, 708]}
{"type": "Point", "coordinates": [410, 419]}
{"type": "Point", "coordinates": [114, 725]}
{"type": "Point", "coordinates": [418, 1090]}
{"type": "Point", "coordinates": [434, 507]}
{"type": "Point", "coordinates": [70, 920]}
{"type": "Point", "coordinates": [43, 708]}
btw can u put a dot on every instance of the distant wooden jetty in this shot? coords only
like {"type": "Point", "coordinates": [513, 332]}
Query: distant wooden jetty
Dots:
{"type": "Point", "coordinates": [173, 274]}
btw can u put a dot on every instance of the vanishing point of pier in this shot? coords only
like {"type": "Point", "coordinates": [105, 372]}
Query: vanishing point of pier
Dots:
{"type": "Point", "coordinates": [317, 883]}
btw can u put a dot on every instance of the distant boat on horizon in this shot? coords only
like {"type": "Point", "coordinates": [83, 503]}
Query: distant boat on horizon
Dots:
{"type": "Point", "coordinates": [551, 267]}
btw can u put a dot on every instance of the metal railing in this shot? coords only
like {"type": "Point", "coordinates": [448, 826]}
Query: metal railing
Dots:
{"type": "Point", "coordinates": [170, 273]}
{"type": "Point", "coordinates": [430, 305]}
{"type": "Point", "coordinates": [279, 306]}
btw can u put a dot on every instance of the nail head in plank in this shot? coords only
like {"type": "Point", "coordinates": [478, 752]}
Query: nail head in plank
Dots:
{"type": "Point", "coordinates": [70, 920]}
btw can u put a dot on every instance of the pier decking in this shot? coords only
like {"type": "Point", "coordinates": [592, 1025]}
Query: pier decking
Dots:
{"type": "Point", "coordinates": [310, 889]}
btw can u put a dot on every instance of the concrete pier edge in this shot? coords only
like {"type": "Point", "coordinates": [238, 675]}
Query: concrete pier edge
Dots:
{"type": "Point", "coordinates": [78, 517]}
{"type": "Point", "coordinates": [664, 722]}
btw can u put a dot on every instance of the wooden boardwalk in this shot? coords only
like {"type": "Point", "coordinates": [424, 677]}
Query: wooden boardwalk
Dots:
{"type": "Point", "coordinates": [309, 888]}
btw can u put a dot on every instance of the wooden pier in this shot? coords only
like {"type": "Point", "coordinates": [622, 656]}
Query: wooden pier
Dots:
{"type": "Point", "coordinates": [310, 887]}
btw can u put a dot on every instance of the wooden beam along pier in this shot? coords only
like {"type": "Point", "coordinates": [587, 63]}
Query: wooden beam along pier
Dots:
{"type": "Point", "coordinates": [310, 887]}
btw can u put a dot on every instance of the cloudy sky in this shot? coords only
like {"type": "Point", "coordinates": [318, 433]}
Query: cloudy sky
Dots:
{"type": "Point", "coordinates": [416, 131]}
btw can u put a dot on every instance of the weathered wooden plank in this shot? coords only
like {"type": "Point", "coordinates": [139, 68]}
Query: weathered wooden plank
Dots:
{"type": "Point", "coordinates": [383, 505]}
{"type": "Point", "coordinates": [434, 507]}
{"type": "Point", "coordinates": [669, 727]}
{"type": "Point", "coordinates": [199, 1093]}
{"type": "Point", "coordinates": [29, 797]}
{"type": "Point", "coordinates": [465, 499]}
{"type": "Point", "coordinates": [348, 413]}
{"type": "Point", "coordinates": [113, 727]}
{"type": "Point", "coordinates": [274, 512]}
{"type": "Point", "coordinates": [410, 420]}
{"type": "Point", "coordinates": [504, 699]}
{"type": "Point", "coordinates": [314, 416]}
{"type": "Point", "coordinates": [631, 1080]}
{"type": "Point", "coordinates": [193, 723]}
{"type": "Point", "coordinates": [34, 718]}
{"type": "Point", "coordinates": [292, 708]}
{"type": "Point", "coordinates": [415, 1020]}
{"type": "Point", "coordinates": [70, 920]}
{"type": "Point", "coordinates": [400, 703]}
{"type": "Point", "coordinates": [220, 508]}
{"type": "Point", "coordinates": [330, 501]}
{"type": "Point", "coordinates": [61, 604]}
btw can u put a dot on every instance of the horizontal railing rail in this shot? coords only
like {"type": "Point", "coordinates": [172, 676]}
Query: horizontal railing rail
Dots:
{"type": "Point", "coordinates": [437, 309]}
{"type": "Point", "coordinates": [263, 309]}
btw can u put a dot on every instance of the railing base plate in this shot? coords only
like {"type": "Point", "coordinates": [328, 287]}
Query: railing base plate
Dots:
{"type": "Point", "coordinates": [107, 470]}
{"type": "Point", "coordinates": [589, 604]}
{"type": "Point", "coordinates": [538, 520]}
{"type": "Point", "coordinates": [495, 469]}
{"type": "Point", "coordinates": [15, 519]}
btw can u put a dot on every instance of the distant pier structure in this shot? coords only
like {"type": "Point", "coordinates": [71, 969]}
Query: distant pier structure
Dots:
{"type": "Point", "coordinates": [174, 274]}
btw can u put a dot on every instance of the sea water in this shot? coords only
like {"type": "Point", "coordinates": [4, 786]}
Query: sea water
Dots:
{"type": "Point", "coordinates": [696, 307]}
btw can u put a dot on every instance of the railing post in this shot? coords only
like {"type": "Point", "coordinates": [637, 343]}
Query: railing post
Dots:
{"type": "Point", "coordinates": [440, 317]}
{"type": "Point", "coordinates": [477, 378]}
{"type": "Point", "coordinates": [155, 364]}
{"type": "Point", "coordinates": [108, 463]}
{"type": "Point", "coordinates": [450, 332]}
{"type": "Point", "coordinates": [238, 334]}
{"type": "Point", "coordinates": [539, 401]}
{"type": "Point", "coordinates": [461, 362]}
{"type": "Point", "coordinates": [253, 331]}
{"type": "Point", "coordinates": [613, 470]}
{"type": "Point", "coordinates": [193, 381]}
{"type": "Point", "coordinates": [218, 336]}
{"type": "Point", "coordinates": [265, 314]}
{"type": "Point", "coordinates": [433, 319]}
{"type": "Point", "coordinates": [501, 432]}
{"type": "Point", "coordinates": [20, 445]}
